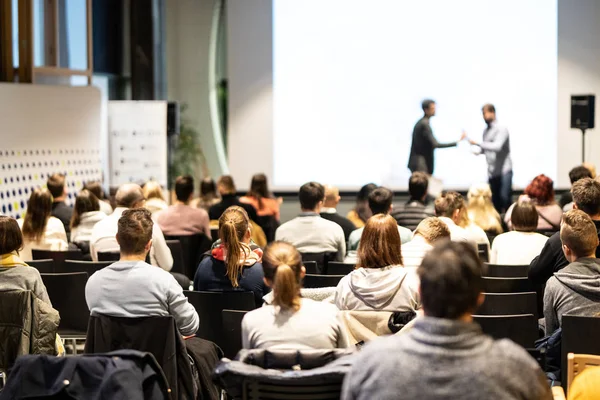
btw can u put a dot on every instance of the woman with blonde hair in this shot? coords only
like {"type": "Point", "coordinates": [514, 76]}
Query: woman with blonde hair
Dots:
{"type": "Point", "coordinates": [481, 210]}
{"type": "Point", "coordinates": [379, 282]}
{"type": "Point", "coordinates": [155, 200]}
{"type": "Point", "coordinates": [290, 322]}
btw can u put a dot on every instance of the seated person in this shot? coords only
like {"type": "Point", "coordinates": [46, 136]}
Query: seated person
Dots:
{"type": "Point", "coordinates": [261, 198]}
{"type": "Point", "coordinates": [309, 232]}
{"type": "Point", "coordinates": [380, 202]}
{"type": "Point", "coordinates": [234, 261]}
{"type": "Point", "coordinates": [541, 193]}
{"type": "Point", "coordinates": [577, 173]}
{"type": "Point", "coordinates": [290, 322]}
{"type": "Point", "coordinates": [40, 230]}
{"type": "Point", "coordinates": [130, 287]}
{"type": "Point", "coordinates": [86, 215]}
{"type": "Point", "coordinates": [329, 212]}
{"type": "Point", "coordinates": [449, 208]}
{"type": "Point", "coordinates": [445, 355]}
{"type": "Point", "coordinates": [379, 282]}
{"type": "Point", "coordinates": [481, 209]}
{"type": "Point", "coordinates": [575, 289]}
{"type": "Point", "coordinates": [155, 200]}
{"type": "Point", "coordinates": [227, 190]}
{"type": "Point", "coordinates": [523, 244]}
{"type": "Point", "coordinates": [414, 211]}
{"type": "Point", "coordinates": [96, 188]}
{"type": "Point", "coordinates": [103, 239]}
{"type": "Point", "coordinates": [60, 209]}
{"type": "Point", "coordinates": [361, 212]}
{"type": "Point", "coordinates": [208, 195]}
{"type": "Point", "coordinates": [181, 219]}
{"type": "Point", "coordinates": [429, 231]}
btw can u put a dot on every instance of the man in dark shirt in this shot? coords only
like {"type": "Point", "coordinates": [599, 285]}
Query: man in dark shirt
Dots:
{"type": "Point", "coordinates": [586, 197]}
{"type": "Point", "coordinates": [60, 210]}
{"type": "Point", "coordinates": [328, 211]}
{"type": "Point", "coordinates": [424, 143]}
{"type": "Point", "coordinates": [414, 211]}
{"type": "Point", "coordinates": [575, 174]}
{"type": "Point", "coordinates": [226, 188]}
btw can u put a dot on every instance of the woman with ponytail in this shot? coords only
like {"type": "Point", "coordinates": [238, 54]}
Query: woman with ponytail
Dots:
{"type": "Point", "coordinates": [234, 262]}
{"type": "Point", "coordinates": [290, 321]}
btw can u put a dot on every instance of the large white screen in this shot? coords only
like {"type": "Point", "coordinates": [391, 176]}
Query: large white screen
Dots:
{"type": "Point", "coordinates": [349, 76]}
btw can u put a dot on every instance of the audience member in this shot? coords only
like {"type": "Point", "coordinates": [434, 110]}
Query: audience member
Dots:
{"type": "Point", "coordinates": [155, 200]}
{"type": "Point", "coordinates": [575, 289]}
{"type": "Point", "coordinates": [261, 198]}
{"type": "Point", "coordinates": [428, 232]}
{"type": "Point", "coordinates": [481, 210]}
{"type": "Point", "coordinates": [227, 190]}
{"type": "Point", "coordinates": [541, 192]}
{"type": "Point", "coordinates": [523, 244]}
{"type": "Point", "coordinates": [361, 211]}
{"type": "Point", "coordinates": [577, 173]}
{"type": "Point", "coordinates": [96, 188]}
{"type": "Point", "coordinates": [131, 288]}
{"type": "Point", "coordinates": [415, 210]}
{"type": "Point", "coordinates": [310, 233]}
{"type": "Point", "coordinates": [181, 219]}
{"type": "Point", "coordinates": [329, 211]}
{"type": "Point", "coordinates": [234, 261]}
{"type": "Point", "coordinates": [103, 237]}
{"type": "Point", "coordinates": [380, 202]}
{"type": "Point", "coordinates": [586, 197]}
{"type": "Point", "coordinates": [85, 216]}
{"type": "Point", "coordinates": [445, 355]}
{"type": "Point", "coordinates": [58, 190]}
{"type": "Point", "coordinates": [41, 231]}
{"type": "Point", "coordinates": [476, 234]}
{"type": "Point", "coordinates": [291, 322]}
{"type": "Point", "coordinates": [379, 282]}
{"type": "Point", "coordinates": [208, 194]}
{"type": "Point", "coordinates": [448, 208]}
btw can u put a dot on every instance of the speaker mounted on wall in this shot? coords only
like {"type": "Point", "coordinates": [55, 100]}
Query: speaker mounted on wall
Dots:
{"type": "Point", "coordinates": [582, 111]}
{"type": "Point", "coordinates": [173, 118]}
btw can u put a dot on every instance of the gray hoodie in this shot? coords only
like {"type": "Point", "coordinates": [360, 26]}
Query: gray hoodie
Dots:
{"type": "Point", "coordinates": [574, 290]}
{"type": "Point", "coordinates": [393, 288]}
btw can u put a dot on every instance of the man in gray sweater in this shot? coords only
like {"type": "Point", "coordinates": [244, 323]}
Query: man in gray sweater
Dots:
{"type": "Point", "coordinates": [445, 355]}
{"type": "Point", "coordinates": [574, 289]}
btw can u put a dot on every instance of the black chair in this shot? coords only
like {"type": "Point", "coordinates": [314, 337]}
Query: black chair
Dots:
{"type": "Point", "coordinates": [579, 336]}
{"type": "Point", "coordinates": [269, 225]}
{"type": "Point", "coordinates": [109, 256]}
{"type": "Point", "coordinates": [509, 304]}
{"type": "Point", "coordinates": [59, 257]}
{"type": "Point", "coordinates": [232, 332]}
{"type": "Point", "coordinates": [83, 266]}
{"type": "Point", "coordinates": [320, 258]}
{"type": "Point", "coordinates": [483, 251]}
{"type": "Point", "coordinates": [311, 267]}
{"type": "Point", "coordinates": [507, 285]}
{"type": "Point", "coordinates": [338, 268]}
{"type": "Point", "coordinates": [214, 234]}
{"type": "Point", "coordinates": [521, 329]}
{"type": "Point", "coordinates": [320, 281]}
{"type": "Point", "coordinates": [44, 266]}
{"type": "Point", "coordinates": [177, 253]}
{"type": "Point", "coordinates": [506, 271]}
{"type": "Point", "coordinates": [193, 247]}
{"type": "Point", "coordinates": [547, 232]}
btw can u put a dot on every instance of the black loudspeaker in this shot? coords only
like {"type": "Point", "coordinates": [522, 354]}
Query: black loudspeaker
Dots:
{"type": "Point", "coordinates": [173, 118]}
{"type": "Point", "coordinates": [582, 111]}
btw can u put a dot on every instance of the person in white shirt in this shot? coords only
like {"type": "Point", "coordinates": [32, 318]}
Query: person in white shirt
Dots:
{"type": "Point", "coordinates": [290, 321]}
{"type": "Point", "coordinates": [522, 245]}
{"type": "Point", "coordinates": [40, 230]}
{"type": "Point", "coordinates": [429, 231]}
{"type": "Point", "coordinates": [309, 232]}
{"type": "Point", "coordinates": [103, 238]}
{"type": "Point", "coordinates": [449, 208]}
{"type": "Point", "coordinates": [86, 214]}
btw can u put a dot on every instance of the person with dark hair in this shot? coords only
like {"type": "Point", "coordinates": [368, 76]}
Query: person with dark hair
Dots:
{"type": "Point", "coordinates": [444, 353]}
{"type": "Point", "coordinates": [541, 193]}
{"type": "Point", "coordinates": [523, 244]}
{"type": "Point", "coordinates": [41, 231]}
{"type": "Point", "coordinates": [58, 188]}
{"type": "Point", "coordinates": [261, 198]}
{"type": "Point", "coordinates": [380, 202]}
{"type": "Point", "coordinates": [291, 321]}
{"type": "Point", "coordinates": [424, 143]}
{"type": "Point", "coordinates": [103, 239]}
{"type": "Point", "coordinates": [577, 173]}
{"type": "Point", "coordinates": [309, 232]}
{"type": "Point", "coordinates": [361, 211]}
{"type": "Point", "coordinates": [379, 282]}
{"type": "Point", "coordinates": [86, 215]}
{"type": "Point", "coordinates": [234, 261]}
{"type": "Point", "coordinates": [586, 197]}
{"type": "Point", "coordinates": [227, 190]}
{"type": "Point", "coordinates": [575, 289]}
{"type": "Point", "coordinates": [414, 210]}
{"type": "Point", "coordinates": [181, 219]}
{"type": "Point", "coordinates": [96, 188]}
{"type": "Point", "coordinates": [496, 148]}
{"type": "Point", "coordinates": [130, 287]}
{"type": "Point", "coordinates": [329, 210]}
{"type": "Point", "coordinates": [208, 194]}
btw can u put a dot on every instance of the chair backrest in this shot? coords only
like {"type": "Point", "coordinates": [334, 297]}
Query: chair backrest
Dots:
{"type": "Point", "coordinates": [44, 266]}
{"type": "Point", "coordinates": [232, 332]}
{"type": "Point", "coordinates": [320, 258]}
{"type": "Point", "coordinates": [15, 316]}
{"type": "Point", "coordinates": [521, 329]}
{"type": "Point", "coordinates": [506, 271]}
{"type": "Point", "coordinates": [177, 253]}
{"type": "Point", "coordinates": [193, 247]}
{"type": "Point", "coordinates": [269, 225]}
{"type": "Point", "coordinates": [311, 267]}
{"type": "Point", "coordinates": [83, 266]}
{"type": "Point", "coordinates": [67, 294]}
{"type": "Point", "coordinates": [320, 281]}
{"type": "Point", "coordinates": [483, 251]}
{"type": "Point", "coordinates": [509, 304]}
{"type": "Point", "coordinates": [579, 337]}
{"type": "Point", "coordinates": [255, 390]}
{"type": "Point", "coordinates": [109, 256]}
{"type": "Point", "coordinates": [576, 363]}
{"type": "Point", "coordinates": [59, 257]}
{"type": "Point", "coordinates": [507, 285]}
{"type": "Point", "coordinates": [338, 268]}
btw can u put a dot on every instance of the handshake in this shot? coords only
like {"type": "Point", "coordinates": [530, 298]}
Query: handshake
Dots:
{"type": "Point", "coordinates": [464, 136]}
